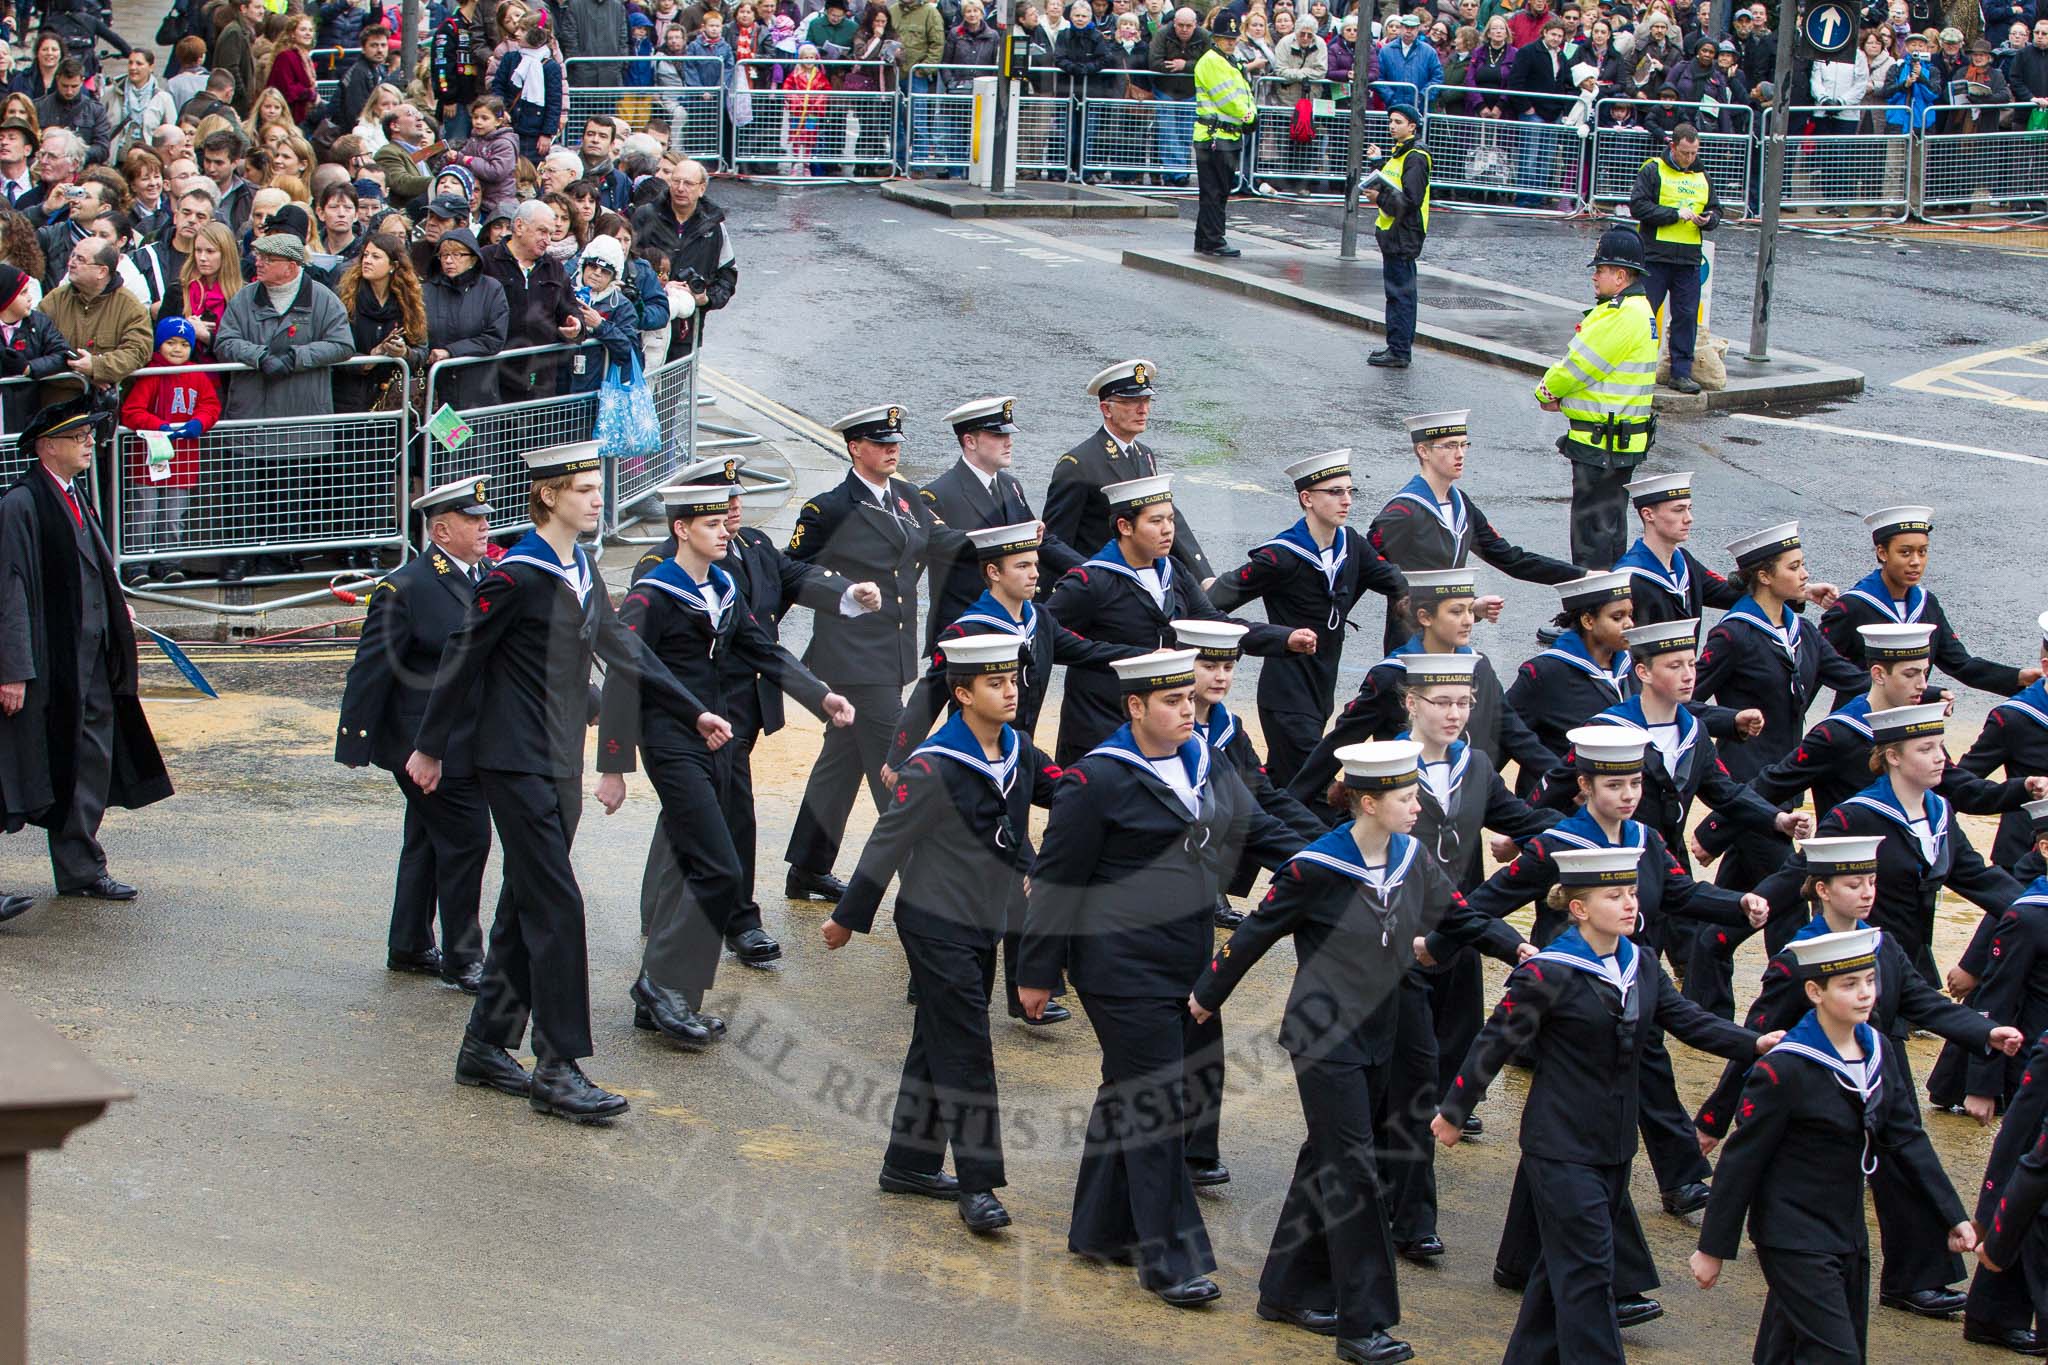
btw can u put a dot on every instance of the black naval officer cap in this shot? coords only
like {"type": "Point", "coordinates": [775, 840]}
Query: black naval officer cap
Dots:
{"type": "Point", "coordinates": [61, 419]}
{"type": "Point", "coordinates": [466, 496]}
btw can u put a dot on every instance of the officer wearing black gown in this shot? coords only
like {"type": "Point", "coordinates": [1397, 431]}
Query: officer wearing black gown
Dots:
{"type": "Point", "coordinates": [1670, 582]}
{"type": "Point", "coordinates": [1310, 575]}
{"type": "Point", "coordinates": [956, 835]}
{"type": "Point", "coordinates": [1077, 514]}
{"type": "Point", "coordinates": [871, 528]}
{"type": "Point", "coordinates": [977, 493]}
{"type": "Point", "coordinates": [412, 612]}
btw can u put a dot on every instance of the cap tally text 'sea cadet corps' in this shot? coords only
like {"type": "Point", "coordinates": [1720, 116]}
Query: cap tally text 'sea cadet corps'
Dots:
{"type": "Point", "coordinates": [1432, 587]}
{"type": "Point", "coordinates": [973, 655]}
{"type": "Point", "coordinates": [1125, 379]}
{"type": "Point", "coordinates": [552, 462]}
{"type": "Point", "coordinates": [1331, 464]}
{"type": "Point", "coordinates": [466, 496]}
{"type": "Point", "coordinates": [1383, 765]}
{"type": "Point", "coordinates": [695, 499]}
{"type": "Point", "coordinates": [1213, 640]}
{"type": "Point", "coordinates": [1826, 955]}
{"type": "Point", "coordinates": [1595, 590]}
{"type": "Point", "coordinates": [1132, 494]}
{"type": "Point", "coordinates": [1596, 866]}
{"type": "Point", "coordinates": [1841, 856]}
{"type": "Point", "coordinates": [996, 541]}
{"type": "Point", "coordinates": [1607, 750]}
{"type": "Point", "coordinates": [1904, 520]}
{"type": "Point", "coordinates": [1764, 544]}
{"type": "Point", "coordinates": [1154, 672]}
{"type": "Point", "coordinates": [1892, 644]}
{"type": "Point", "coordinates": [1907, 722]}
{"type": "Point", "coordinates": [1439, 670]}
{"type": "Point", "coordinates": [882, 425]}
{"type": "Point", "coordinates": [1663, 637]}
{"type": "Point", "coordinates": [1660, 488]}
{"type": "Point", "coordinates": [1437, 426]}
{"type": "Point", "coordinates": [984, 414]}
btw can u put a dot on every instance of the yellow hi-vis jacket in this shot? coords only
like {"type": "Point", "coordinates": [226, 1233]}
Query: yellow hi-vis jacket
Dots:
{"type": "Point", "coordinates": [1224, 108]}
{"type": "Point", "coordinates": [1605, 381]}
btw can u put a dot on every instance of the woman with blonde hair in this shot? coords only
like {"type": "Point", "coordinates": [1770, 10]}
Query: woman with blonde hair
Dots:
{"type": "Point", "coordinates": [370, 127]}
{"type": "Point", "coordinates": [271, 107]}
{"type": "Point", "coordinates": [211, 275]}
{"type": "Point", "coordinates": [291, 159]}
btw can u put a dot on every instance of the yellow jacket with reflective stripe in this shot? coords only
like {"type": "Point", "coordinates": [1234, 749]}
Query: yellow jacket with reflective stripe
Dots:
{"type": "Point", "coordinates": [1223, 99]}
{"type": "Point", "coordinates": [1606, 378]}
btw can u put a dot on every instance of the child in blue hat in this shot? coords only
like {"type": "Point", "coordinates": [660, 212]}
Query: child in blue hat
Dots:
{"type": "Point", "coordinates": [183, 402]}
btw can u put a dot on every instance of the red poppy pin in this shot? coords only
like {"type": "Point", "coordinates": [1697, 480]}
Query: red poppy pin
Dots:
{"type": "Point", "coordinates": [291, 329]}
{"type": "Point", "coordinates": [902, 505]}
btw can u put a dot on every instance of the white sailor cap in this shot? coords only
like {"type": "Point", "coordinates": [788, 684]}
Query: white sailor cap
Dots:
{"type": "Point", "coordinates": [1595, 590]}
{"type": "Point", "coordinates": [2037, 812]}
{"type": "Point", "coordinates": [1155, 672]}
{"type": "Point", "coordinates": [1659, 488]}
{"type": "Point", "coordinates": [1890, 644]}
{"type": "Point", "coordinates": [1842, 855]}
{"type": "Point", "coordinates": [554, 461]}
{"type": "Point", "coordinates": [2042, 622]}
{"type": "Point", "coordinates": [1596, 866]}
{"type": "Point", "coordinates": [1439, 670]}
{"type": "Point", "coordinates": [996, 541]}
{"type": "Point", "coordinates": [1381, 765]}
{"type": "Point", "coordinates": [1773, 540]}
{"type": "Point", "coordinates": [1907, 722]}
{"type": "Point", "coordinates": [1826, 955]}
{"type": "Point", "coordinates": [695, 499]}
{"type": "Point", "coordinates": [1663, 637]}
{"type": "Point", "coordinates": [723, 469]}
{"type": "Point", "coordinates": [1136, 493]}
{"type": "Point", "coordinates": [1125, 379]}
{"type": "Point", "coordinates": [1210, 639]}
{"type": "Point", "coordinates": [1427, 587]}
{"type": "Point", "coordinates": [984, 414]}
{"type": "Point", "coordinates": [883, 425]}
{"type": "Point", "coordinates": [1434, 426]}
{"type": "Point", "coordinates": [1887, 522]}
{"type": "Point", "coordinates": [1604, 750]}
{"type": "Point", "coordinates": [972, 654]}
{"type": "Point", "coordinates": [464, 495]}
{"type": "Point", "coordinates": [1316, 468]}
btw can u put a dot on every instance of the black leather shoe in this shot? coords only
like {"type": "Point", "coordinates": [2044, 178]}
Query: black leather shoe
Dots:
{"type": "Point", "coordinates": [2020, 1340]}
{"type": "Point", "coordinates": [469, 979]}
{"type": "Point", "coordinates": [983, 1212]}
{"type": "Point", "coordinates": [1191, 1293]}
{"type": "Point", "coordinates": [103, 888]}
{"type": "Point", "coordinates": [1473, 1126]}
{"type": "Point", "coordinates": [1387, 360]}
{"type": "Point", "coordinates": [1377, 1349]}
{"type": "Point", "coordinates": [1208, 1172]}
{"type": "Point", "coordinates": [1227, 916]}
{"type": "Point", "coordinates": [1688, 1198]}
{"type": "Point", "coordinates": [1422, 1250]}
{"type": "Point", "coordinates": [1927, 1303]}
{"type": "Point", "coordinates": [426, 962]}
{"type": "Point", "coordinates": [562, 1090]}
{"type": "Point", "coordinates": [1684, 383]}
{"type": "Point", "coordinates": [753, 947]}
{"type": "Point", "coordinates": [486, 1064]}
{"type": "Point", "coordinates": [1053, 1013]}
{"type": "Point", "coordinates": [932, 1185]}
{"type": "Point", "coordinates": [1514, 1284]}
{"type": "Point", "coordinates": [1226, 251]}
{"type": "Point", "coordinates": [804, 885]}
{"type": "Point", "coordinates": [664, 1011]}
{"type": "Point", "coordinates": [1323, 1322]}
{"type": "Point", "coordinates": [10, 906]}
{"type": "Point", "coordinates": [1633, 1310]}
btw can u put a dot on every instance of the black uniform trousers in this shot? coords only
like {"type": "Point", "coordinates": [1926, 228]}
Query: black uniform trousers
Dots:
{"type": "Point", "coordinates": [538, 965]}
{"type": "Point", "coordinates": [1215, 176]}
{"type": "Point", "coordinates": [1680, 280]}
{"type": "Point", "coordinates": [849, 754]}
{"type": "Point", "coordinates": [1291, 736]}
{"type": "Point", "coordinates": [1912, 1230]}
{"type": "Point", "coordinates": [661, 881]}
{"type": "Point", "coordinates": [1586, 1221]}
{"type": "Point", "coordinates": [688, 930]}
{"type": "Point", "coordinates": [1407, 1149]}
{"type": "Point", "coordinates": [1397, 274]}
{"type": "Point", "coordinates": [1521, 1238]}
{"type": "Point", "coordinates": [2018, 1295]}
{"type": "Point", "coordinates": [1599, 513]}
{"type": "Point", "coordinates": [948, 1093]}
{"type": "Point", "coordinates": [441, 861]}
{"type": "Point", "coordinates": [1202, 1067]}
{"type": "Point", "coordinates": [1457, 1002]}
{"type": "Point", "coordinates": [1331, 1249]}
{"type": "Point", "coordinates": [1133, 1198]}
{"type": "Point", "coordinates": [1817, 1310]}
{"type": "Point", "coordinates": [76, 858]}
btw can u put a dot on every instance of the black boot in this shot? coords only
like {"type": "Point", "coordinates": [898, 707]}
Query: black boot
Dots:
{"type": "Point", "coordinates": [754, 947]}
{"type": "Point", "coordinates": [803, 884]}
{"type": "Point", "coordinates": [561, 1089]}
{"type": "Point", "coordinates": [486, 1064]}
{"type": "Point", "coordinates": [664, 1011]}
{"type": "Point", "coordinates": [1377, 1349]}
{"type": "Point", "coordinates": [982, 1211]}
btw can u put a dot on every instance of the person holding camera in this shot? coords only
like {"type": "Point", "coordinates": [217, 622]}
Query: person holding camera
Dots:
{"type": "Point", "coordinates": [690, 230]}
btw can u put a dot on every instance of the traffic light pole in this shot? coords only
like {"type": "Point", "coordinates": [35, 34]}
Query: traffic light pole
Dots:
{"type": "Point", "coordinates": [1776, 123]}
{"type": "Point", "coordinates": [1354, 159]}
{"type": "Point", "coordinates": [999, 169]}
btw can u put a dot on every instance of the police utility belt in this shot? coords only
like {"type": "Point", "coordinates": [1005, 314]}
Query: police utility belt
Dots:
{"type": "Point", "coordinates": [1220, 125]}
{"type": "Point", "coordinates": [1599, 443]}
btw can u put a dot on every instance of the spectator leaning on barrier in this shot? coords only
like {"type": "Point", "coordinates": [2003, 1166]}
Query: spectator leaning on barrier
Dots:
{"type": "Point", "coordinates": [184, 407]}
{"type": "Point", "coordinates": [386, 316]}
{"type": "Point", "coordinates": [1978, 82]}
{"type": "Point", "coordinates": [30, 345]}
{"type": "Point", "coordinates": [540, 307]}
{"type": "Point", "coordinates": [1175, 50]}
{"type": "Point", "coordinates": [2029, 72]}
{"type": "Point", "coordinates": [1301, 59]}
{"type": "Point", "coordinates": [1410, 60]}
{"type": "Point", "coordinates": [611, 320]}
{"type": "Point", "coordinates": [467, 317]}
{"type": "Point", "coordinates": [1487, 73]}
{"type": "Point", "coordinates": [137, 104]}
{"type": "Point", "coordinates": [104, 324]}
{"type": "Point", "coordinates": [690, 230]}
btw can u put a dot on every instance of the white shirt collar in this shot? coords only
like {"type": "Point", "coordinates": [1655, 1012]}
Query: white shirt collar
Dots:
{"type": "Point", "coordinates": [881, 491]}
{"type": "Point", "coordinates": [987, 481]}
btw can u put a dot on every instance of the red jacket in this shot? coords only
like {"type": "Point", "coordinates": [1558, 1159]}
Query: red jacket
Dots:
{"type": "Point", "coordinates": [292, 76]}
{"type": "Point", "coordinates": [156, 401]}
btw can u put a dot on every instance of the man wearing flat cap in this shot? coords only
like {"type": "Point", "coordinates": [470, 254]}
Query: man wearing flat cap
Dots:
{"type": "Point", "coordinates": [73, 736]}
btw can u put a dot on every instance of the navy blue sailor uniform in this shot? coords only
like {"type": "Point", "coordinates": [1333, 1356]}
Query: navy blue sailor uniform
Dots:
{"type": "Point", "coordinates": [956, 836]}
{"type": "Point", "coordinates": [1414, 531]}
{"type": "Point", "coordinates": [965, 504]}
{"type": "Point", "coordinates": [1563, 687]}
{"type": "Point", "coordinates": [1677, 591]}
{"type": "Point", "coordinates": [1231, 744]}
{"type": "Point", "coordinates": [2015, 739]}
{"type": "Point", "coordinates": [2008, 1209]}
{"type": "Point", "coordinates": [447, 836]}
{"type": "Point", "coordinates": [1870, 603]}
{"type": "Point", "coordinates": [1077, 513]}
{"type": "Point", "coordinates": [866, 658]}
{"type": "Point", "coordinates": [2014, 991]}
{"type": "Point", "coordinates": [1122, 901]}
{"type": "Point", "coordinates": [1305, 585]}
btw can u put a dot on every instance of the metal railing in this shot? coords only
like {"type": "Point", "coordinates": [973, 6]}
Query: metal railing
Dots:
{"type": "Point", "coordinates": [1975, 168]}
{"type": "Point", "coordinates": [1315, 168]}
{"type": "Point", "coordinates": [819, 134]}
{"type": "Point", "coordinates": [695, 114]}
{"type": "Point", "coordinates": [1514, 164]}
{"type": "Point", "coordinates": [1848, 158]}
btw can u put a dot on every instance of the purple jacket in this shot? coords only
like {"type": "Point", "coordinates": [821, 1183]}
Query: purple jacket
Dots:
{"type": "Point", "coordinates": [1342, 59]}
{"type": "Point", "coordinates": [1487, 73]}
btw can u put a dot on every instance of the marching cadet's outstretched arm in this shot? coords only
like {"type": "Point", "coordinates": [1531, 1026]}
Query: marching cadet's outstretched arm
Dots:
{"type": "Point", "coordinates": [373, 672]}
{"type": "Point", "coordinates": [1278, 915]}
{"type": "Point", "coordinates": [1074, 601]}
{"type": "Point", "coordinates": [1780, 1003]}
{"type": "Point", "coordinates": [1070, 650]}
{"type": "Point", "coordinates": [767, 656]}
{"type": "Point", "coordinates": [1955, 659]}
{"type": "Point", "coordinates": [1696, 1027]}
{"type": "Point", "coordinates": [1701, 902]}
{"type": "Point", "coordinates": [1527, 876]}
{"type": "Point", "coordinates": [1991, 750]}
{"type": "Point", "coordinates": [1509, 814]}
{"type": "Point", "coordinates": [498, 603]}
{"type": "Point", "coordinates": [618, 707]}
{"type": "Point", "coordinates": [1975, 795]}
{"type": "Point", "coordinates": [1519, 742]}
{"type": "Point", "coordinates": [1989, 888]}
{"type": "Point", "coordinates": [1741, 805]}
{"type": "Point", "coordinates": [1716, 591]}
{"type": "Point", "coordinates": [1915, 1157]}
{"type": "Point", "coordinates": [1260, 574]}
{"type": "Point", "coordinates": [942, 544]}
{"type": "Point", "coordinates": [1780, 889]}
{"type": "Point", "coordinates": [622, 649]}
{"type": "Point", "coordinates": [1922, 1006]}
{"type": "Point", "coordinates": [1461, 924]}
{"type": "Point", "coordinates": [1260, 638]}
{"type": "Point", "coordinates": [1809, 762]}
{"type": "Point", "coordinates": [1837, 672]}
{"type": "Point", "coordinates": [1067, 857]}
{"type": "Point", "coordinates": [1265, 837]}
{"type": "Point", "coordinates": [1766, 1116]}
{"type": "Point", "coordinates": [1270, 798]}
{"type": "Point", "coordinates": [1513, 560]}
{"type": "Point", "coordinates": [915, 808]}
{"type": "Point", "coordinates": [1377, 573]}
{"type": "Point", "coordinates": [807, 585]}
{"type": "Point", "coordinates": [1531, 990]}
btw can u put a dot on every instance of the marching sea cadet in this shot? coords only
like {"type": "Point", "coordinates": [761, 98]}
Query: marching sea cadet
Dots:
{"type": "Point", "coordinates": [1224, 112]}
{"type": "Point", "coordinates": [2015, 738]}
{"type": "Point", "coordinates": [1399, 189]}
{"type": "Point", "coordinates": [1675, 203]}
{"type": "Point", "coordinates": [2014, 991]}
{"type": "Point", "coordinates": [1430, 523]}
{"type": "Point", "coordinates": [956, 834]}
{"type": "Point", "coordinates": [1586, 671]}
{"type": "Point", "coordinates": [1310, 575]}
{"type": "Point", "coordinates": [1670, 583]}
{"type": "Point", "coordinates": [412, 612]}
{"type": "Point", "coordinates": [1076, 513]}
{"type": "Point", "coordinates": [1603, 386]}
{"type": "Point", "coordinates": [2010, 1290]}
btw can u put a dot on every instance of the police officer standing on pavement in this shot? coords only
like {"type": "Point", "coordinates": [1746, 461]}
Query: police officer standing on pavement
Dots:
{"type": "Point", "coordinates": [1603, 385]}
{"type": "Point", "coordinates": [412, 612]}
{"type": "Point", "coordinates": [1076, 512]}
{"type": "Point", "coordinates": [1674, 202]}
{"type": "Point", "coordinates": [1400, 190]}
{"type": "Point", "coordinates": [1224, 110]}
{"type": "Point", "coordinates": [873, 528]}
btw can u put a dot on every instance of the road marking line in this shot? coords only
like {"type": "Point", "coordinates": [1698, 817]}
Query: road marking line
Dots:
{"type": "Point", "coordinates": [2013, 456]}
{"type": "Point", "coordinates": [777, 412]}
{"type": "Point", "coordinates": [1947, 379]}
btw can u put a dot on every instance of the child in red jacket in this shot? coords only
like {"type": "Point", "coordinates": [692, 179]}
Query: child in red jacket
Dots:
{"type": "Point", "coordinates": [183, 406]}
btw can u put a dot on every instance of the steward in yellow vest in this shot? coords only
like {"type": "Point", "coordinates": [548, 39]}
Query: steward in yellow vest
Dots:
{"type": "Point", "coordinates": [1399, 186]}
{"type": "Point", "coordinates": [1674, 203]}
{"type": "Point", "coordinates": [1224, 113]}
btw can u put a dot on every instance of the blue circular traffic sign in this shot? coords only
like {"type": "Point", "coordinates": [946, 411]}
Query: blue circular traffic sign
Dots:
{"type": "Point", "coordinates": [1830, 28]}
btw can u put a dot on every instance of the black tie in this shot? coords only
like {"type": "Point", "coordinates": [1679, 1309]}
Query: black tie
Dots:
{"type": "Point", "coordinates": [476, 572]}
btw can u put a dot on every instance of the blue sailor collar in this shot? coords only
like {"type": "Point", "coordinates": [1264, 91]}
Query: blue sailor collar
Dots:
{"type": "Point", "coordinates": [1571, 949]}
{"type": "Point", "coordinates": [1457, 756]}
{"type": "Point", "coordinates": [1675, 577]}
{"type": "Point", "coordinates": [2035, 894]}
{"type": "Point", "coordinates": [1581, 830]}
{"type": "Point", "coordinates": [986, 611]}
{"type": "Point", "coordinates": [1111, 557]}
{"type": "Point", "coordinates": [955, 741]}
{"type": "Point", "coordinates": [1872, 589]}
{"type": "Point", "coordinates": [672, 578]}
{"type": "Point", "coordinates": [1855, 713]}
{"type": "Point", "coordinates": [1880, 797]}
{"type": "Point", "coordinates": [1298, 539]}
{"type": "Point", "coordinates": [1808, 1039]}
{"type": "Point", "coordinates": [1220, 728]}
{"type": "Point", "coordinates": [1817, 926]}
{"type": "Point", "coordinates": [1418, 491]}
{"type": "Point", "coordinates": [1785, 633]}
{"type": "Point", "coordinates": [1572, 650]}
{"type": "Point", "coordinates": [1338, 851]}
{"type": "Point", "coordinates": [1194, 755]}
{"type": "Point", "coordinates": [1630, 712]}
{"type": "Point", "coordinates": [532, 549]}
{"type": "Point", "coordinates": [2031, 703]}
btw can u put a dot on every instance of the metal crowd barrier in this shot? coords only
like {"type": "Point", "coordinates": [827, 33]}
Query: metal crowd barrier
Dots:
{"type": "Point", "coordinates": [1508, 164]}
{"type": "Point", "coordinates": [819, 134]}
{"type": "Point", "coordinates": [1276, 158]}
{"type": "Point", "coordinates": [1619, 151]}
{"type": "Point", "coordinates": [695, 115]}
{"type": "Point", "coordinates": [1983, 171]}
{"type": "Point", "coordinates": [1125, 139]}
{"type": "Point", "coordinates": [1866, 169]}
